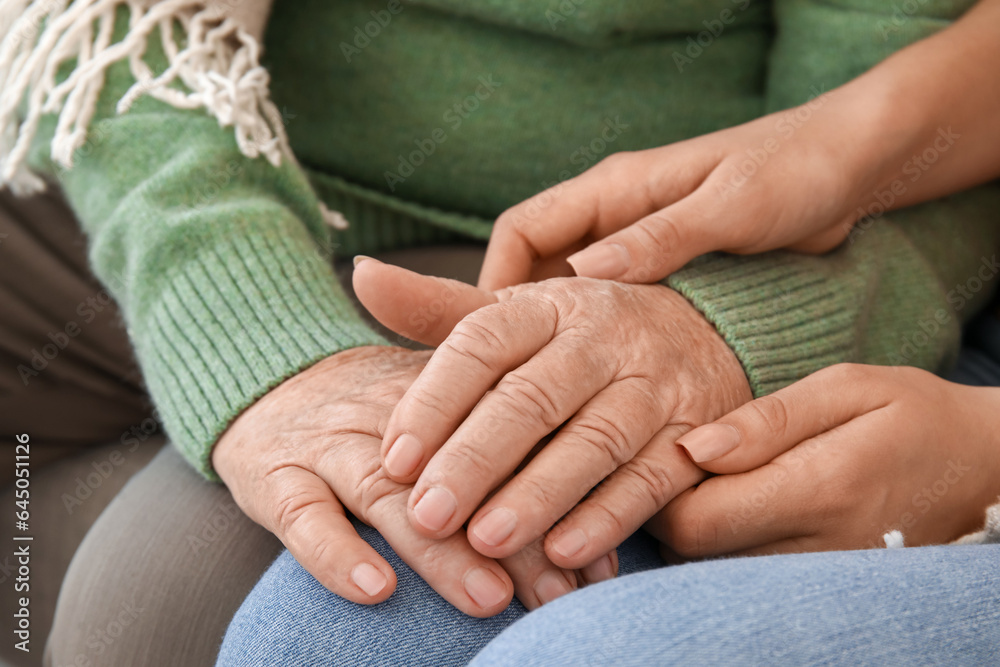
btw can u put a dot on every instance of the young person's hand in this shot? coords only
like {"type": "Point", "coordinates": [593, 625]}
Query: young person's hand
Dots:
{"type": "Point", "coordinates": [837, 460]}
{"type": "Point", "coordinates": [308, 452]}
{"type": "Point", "coordinates": [617, 371]}
{"type": "Point", "coordinates": [783, 180]}
{"type": "Point", "coordinates": [920, 125]}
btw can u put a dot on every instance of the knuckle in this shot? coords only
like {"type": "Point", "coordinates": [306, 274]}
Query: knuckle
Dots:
{"type": "Point", "coordinates": [465, 461]}
{"type": "Point", "coordinates": [375, 490]}
{"type": "Point", "coordinates": [436, 557]}
{"type": "Point", "coordinates": [292, 503]}
{"type": "Point", "coordinates": [616, 160]}
{"type": "Point", "coordinates": [519, 219]}
{"type": "Point", "coordinates": [541, 495]}
{"type": "Point", "coordinates": [605, 436]}
{"type": "Point", "coordinates": [771, 411]}
{"type": "Point", "coordinates": [845, 373]}
{"type": "Point", "coordinates": [656, 241]}
{"type": "Point", "coordinates": [609, 518]}
{"type": "Point", "coordinates": [658, 234]}
{"type": "Point", "coordinates": [474, 339]}
{"type": "Point", "coordinates": [511, 221]}
{"type": "Point", "coordinates": [524, 397]}
{"type": "Point", "coordinates": [441, 405]}
{"type": "Point", "coordinates": [317, 551]}
{"type": "Point", "coordinates": [653, 481]}
{"type": "Point", "coordinates": [521, 565]}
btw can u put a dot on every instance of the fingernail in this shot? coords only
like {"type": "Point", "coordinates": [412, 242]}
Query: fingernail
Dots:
{"type": "Point", "coordinates": [369, 578]}
{"type": "Point", "coordinates": [404, 455]}
{"type": "Point", "coordinates": [485, 588]}
{"type": "Point", "coordinates": [709, 442]}
{"type": "Point", "coordinates": [551, 585]}
{"type": "Point", "coordinates": [600, 570]}
{"type": "Point", "coordinates": [570, 543]}
{"type": "Point", "coordinates": [496, 526]}
{"type": "Point", "coordinates": [360, 258]}
{"type": "Point", "coordinates": [435, 508]}
{"type": "Point", "coordinates": [607, 260]}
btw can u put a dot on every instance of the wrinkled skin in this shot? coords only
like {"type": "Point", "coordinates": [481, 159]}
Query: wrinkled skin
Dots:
{"type": "Point", "coordinates": [620, 370]}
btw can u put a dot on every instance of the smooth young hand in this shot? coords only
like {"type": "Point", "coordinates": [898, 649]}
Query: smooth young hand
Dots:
{"type": "Point", "coordinates": [795, 179]}
{"type": "Point", "coordinates": [837, 460]}
{"type": "Point", "coordinates": [779, 181]}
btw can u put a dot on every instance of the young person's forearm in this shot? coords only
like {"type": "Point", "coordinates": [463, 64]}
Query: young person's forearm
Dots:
{"type": "Point", "coordinates": [936, 107]}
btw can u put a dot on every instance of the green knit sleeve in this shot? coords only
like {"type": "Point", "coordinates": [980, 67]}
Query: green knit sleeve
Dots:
{"type": "Point", "coordinates": [220, 263]}
{"type": "Point", "coordinates": [895, 293]}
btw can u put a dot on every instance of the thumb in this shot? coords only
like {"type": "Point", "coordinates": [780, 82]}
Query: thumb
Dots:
{"type": "Point", "coordinates": [761, 430]}
{"type": "Point", "coordinates": [422, 308]}
{"type": "Point", "coordinates": [651, 248]}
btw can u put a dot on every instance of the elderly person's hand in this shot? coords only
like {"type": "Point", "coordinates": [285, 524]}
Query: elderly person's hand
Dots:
{"type": "Point", "coordinates": [618, 371]}
{"type": "Point", "coordinates": [837, 460]}
{"type": "Point", "coordinates": [309, 449]}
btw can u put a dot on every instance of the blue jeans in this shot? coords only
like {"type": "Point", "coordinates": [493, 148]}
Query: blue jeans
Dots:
{"type": "Point", "coordinates": [914, 606]}
{"type": "Point", "coordinates": [919, 606]}
{"type": "Point", "coordinates": [290, 619]}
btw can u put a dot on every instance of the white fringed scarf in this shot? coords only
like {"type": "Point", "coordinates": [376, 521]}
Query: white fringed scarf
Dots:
{"type": "Point", "coordinates": [219, 67]}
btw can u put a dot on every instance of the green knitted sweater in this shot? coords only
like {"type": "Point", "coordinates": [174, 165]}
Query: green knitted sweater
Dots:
{"type": "Point", "coordinates": [421, 122]}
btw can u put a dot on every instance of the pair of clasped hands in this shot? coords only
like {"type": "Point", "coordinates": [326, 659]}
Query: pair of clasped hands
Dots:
{"type": "Point", "coordinates": [570, 400]}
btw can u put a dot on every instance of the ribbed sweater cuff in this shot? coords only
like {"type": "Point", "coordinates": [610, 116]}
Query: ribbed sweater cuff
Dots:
{"type": "Point", "coordinates": [233, 323]}
{"type": "Point", "coordinates": [781, 318]}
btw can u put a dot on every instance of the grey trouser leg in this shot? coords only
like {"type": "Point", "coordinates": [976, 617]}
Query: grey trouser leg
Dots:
{"type": "Point", "coordinates": [67, 374]}
{"type": "Point", "coordinates": [66, 498]}
{"type": "Point", "coordinates": [161, 573]}
{"type": "Point", "coordinates": [69, 381]}
{"type": "Point", "coordinates": [166, 565]}
{"type": "Point", "coordinates": [70, 394]}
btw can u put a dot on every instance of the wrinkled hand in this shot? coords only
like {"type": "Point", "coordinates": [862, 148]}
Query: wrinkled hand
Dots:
{"type": "Point", "coordinates": [309, 449]}
{"type": "Point", "coordinates": [837, 460]}
{"type": "Point", "coordinates": [619, 371]}
{"type": "Point", "coordinates": [787, 180]}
